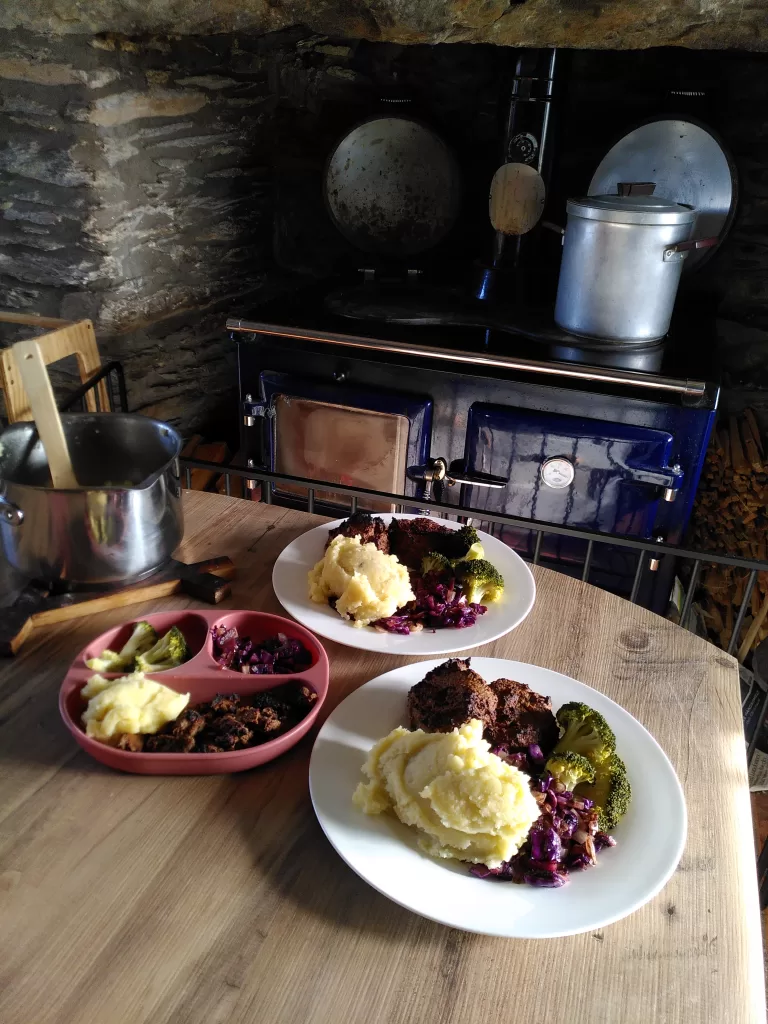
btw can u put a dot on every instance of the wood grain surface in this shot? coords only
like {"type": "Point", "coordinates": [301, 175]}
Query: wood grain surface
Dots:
{"type": "Point", "coordinates": [517, 199]}
{"type": "Point", "coordinates": [211, 900]}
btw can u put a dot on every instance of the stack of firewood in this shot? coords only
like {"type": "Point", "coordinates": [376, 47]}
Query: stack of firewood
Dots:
{"type": "Point", "coordinates": [209, 480]}
{"type": "Point", "coordinates": [731, 516]}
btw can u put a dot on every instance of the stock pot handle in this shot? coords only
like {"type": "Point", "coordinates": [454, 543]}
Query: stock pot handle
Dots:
{"type": "Point", "coordinates": [10, 513]}
{"type": "Point", "coordinates": [635, 188]}
{"type": "Point", "coordinates": [679, 250]}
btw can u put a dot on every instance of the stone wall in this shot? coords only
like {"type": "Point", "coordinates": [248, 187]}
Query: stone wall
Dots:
{"type": "Point", "coordinates": [159, 185]}
{"type": "Point", "coordinates": [615, 24]}
{"type": "Point", "coordinates": [137, 191]}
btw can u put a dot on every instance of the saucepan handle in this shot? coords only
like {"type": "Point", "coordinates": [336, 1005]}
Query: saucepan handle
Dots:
{"type": "Point", "coordinates": [680, 250]}
{"type": "Point", "coordinates": [10, 513]}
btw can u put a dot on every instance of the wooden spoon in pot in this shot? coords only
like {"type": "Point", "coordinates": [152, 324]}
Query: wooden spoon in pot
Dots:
{"type": "Point", "coordinates": [37, 384]}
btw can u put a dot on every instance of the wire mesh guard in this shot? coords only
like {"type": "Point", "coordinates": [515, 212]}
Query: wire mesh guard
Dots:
{"type": "Point", "coordinates": [647, 551]}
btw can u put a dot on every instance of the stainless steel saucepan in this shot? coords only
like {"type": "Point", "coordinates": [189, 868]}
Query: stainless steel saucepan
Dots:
{"type": "Point", "coordinates": [120, 523]}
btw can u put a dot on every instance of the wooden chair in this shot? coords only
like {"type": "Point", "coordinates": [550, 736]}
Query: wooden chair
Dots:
{"type": "Point", "coordinates": [65, 339]}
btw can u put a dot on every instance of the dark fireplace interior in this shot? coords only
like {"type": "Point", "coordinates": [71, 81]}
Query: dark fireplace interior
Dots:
{"type": "Point", "coordinates": [158, 185]}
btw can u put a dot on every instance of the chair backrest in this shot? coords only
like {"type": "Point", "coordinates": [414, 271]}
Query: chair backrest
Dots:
{"type": "Point", "coordinates": [66, 339]}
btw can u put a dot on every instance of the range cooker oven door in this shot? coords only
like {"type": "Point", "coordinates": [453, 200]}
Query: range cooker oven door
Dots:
{"type": "Point", "coordinates": [330, 432]}
{"type": "Point", "coordinates": [571, 471]}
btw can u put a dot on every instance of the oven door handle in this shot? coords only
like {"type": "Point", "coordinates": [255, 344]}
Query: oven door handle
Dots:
{"type": "Point", "coordinates": [437, 472]}
{"type": "Point", "coordinates": [494, 483]}
{"type": "Point", "coordinates": [668, 478]}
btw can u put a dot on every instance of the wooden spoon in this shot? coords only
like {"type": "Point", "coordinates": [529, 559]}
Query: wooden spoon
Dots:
{"type": "Point", "coordinates": [517, 199]}
{"type": "Point", "coordinates": [37, 384]}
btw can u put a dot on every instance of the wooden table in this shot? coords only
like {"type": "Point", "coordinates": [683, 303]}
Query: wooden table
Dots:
{"type": "Point", "coordinates": [211, 900]}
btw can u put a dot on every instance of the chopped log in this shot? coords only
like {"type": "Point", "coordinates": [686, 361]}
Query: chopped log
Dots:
{"type": "Point", "coordinates": [215, 451]}
{"type": "Point", "coordinates": [751, 452]}
{"type": "Point", "coordinates": [190, 447]}
{"type": "Point", "coordinates": [731, 515]}
{"type": "Point", "coordinates": [713, 616]}
{"type": "Point", "coordinates": [237, 483]}
{"type": "Point", "coordinates": [753, 630]}
{"type": "Point", "coordinates": [726, 448]}
{"type": "Point", "coordinates": [751, 422]}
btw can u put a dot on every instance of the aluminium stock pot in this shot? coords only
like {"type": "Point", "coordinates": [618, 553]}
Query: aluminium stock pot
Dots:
{"type": "Point", "coordinates": [622, 259]}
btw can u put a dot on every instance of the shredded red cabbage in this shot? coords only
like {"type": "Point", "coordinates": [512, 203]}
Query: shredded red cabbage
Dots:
{"type": "Point", "coordinates": [564, 838]}
{"type": "Point", "coordinates": [529, 761]}
{"type": "Point", "coordinates": [277, 655]}
{"type": "Point", "coordinates": [439, 604]}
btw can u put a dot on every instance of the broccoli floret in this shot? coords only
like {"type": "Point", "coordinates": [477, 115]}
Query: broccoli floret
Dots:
{"type": "Point", "coordinates": [465, 545]}
{"type": "Point", "coordinates": [476, 551]}
{"type": "Point", "coordinates": [107, 661]}
{"type": "Point", "coordinates": [611, 792]}
{"type": "Point", "coordinates": [433, 562]}
{"type": "Point", "coordinates": [140, 640]}
{"type": "Point", "coordinates": [481, 581]}
{"type": "Point", "coordinates": [469, 537]}
{"type": "Point", "coordinates": [585, 731]}
{"type": "Point", "coordinates": [571, 769]}
{"type": "Point", "coordinates": [169, 651]}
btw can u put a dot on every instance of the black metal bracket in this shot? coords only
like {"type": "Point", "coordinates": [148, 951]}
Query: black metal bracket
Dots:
{"type": "Point", "coordinates": [109, 371]}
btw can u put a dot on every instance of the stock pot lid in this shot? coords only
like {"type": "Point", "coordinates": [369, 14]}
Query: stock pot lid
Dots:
{"type": "Point", "coordinates": [632, 209]}
{"type": "Point", "coordinates": [688, 164]}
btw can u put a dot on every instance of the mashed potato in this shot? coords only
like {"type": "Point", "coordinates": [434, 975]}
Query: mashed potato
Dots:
{"type": "Point", "coordinates": [131, 704]}
{"type": "Point", "coordinates": [368, 584]}
{"type": "Point", "coordinates": [465, 801]}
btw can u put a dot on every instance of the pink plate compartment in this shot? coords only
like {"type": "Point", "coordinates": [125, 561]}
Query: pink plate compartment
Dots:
{"type": "Point", "coordinates": [202, 678]}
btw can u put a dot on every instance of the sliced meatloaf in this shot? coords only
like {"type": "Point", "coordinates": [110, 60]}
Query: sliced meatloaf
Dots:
{"type": "Point", "coordinates": [522, 717]}
{"type": "Point", "coordinates": [370, 529]}
{"type": "Point", "coordinates": [449, 696]}
{"type": "Point", "coordinates": [412, 539]}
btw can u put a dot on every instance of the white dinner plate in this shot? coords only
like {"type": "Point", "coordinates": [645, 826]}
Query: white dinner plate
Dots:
{"type": "Point", "coordinates": [650, 837]}
{"type": "Point", "coordinates": [289, 579]}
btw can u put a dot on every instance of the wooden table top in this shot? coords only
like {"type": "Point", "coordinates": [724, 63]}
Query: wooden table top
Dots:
{"type": "Point", "coordinates": [218, 899]}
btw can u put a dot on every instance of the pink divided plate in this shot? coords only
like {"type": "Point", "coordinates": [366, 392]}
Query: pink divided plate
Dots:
{"type": "Point", "coordinates": [202, 678]}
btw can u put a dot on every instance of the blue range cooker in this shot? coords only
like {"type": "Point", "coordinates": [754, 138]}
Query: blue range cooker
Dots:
{"type": "Point", "coordinates": [606, 441]}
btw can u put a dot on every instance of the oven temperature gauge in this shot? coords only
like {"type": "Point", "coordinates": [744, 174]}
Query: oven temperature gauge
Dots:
{"type": "Point", "coordinates": [557, 472]}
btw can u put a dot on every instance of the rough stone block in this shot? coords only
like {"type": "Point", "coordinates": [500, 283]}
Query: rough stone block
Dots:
{"type": "Point", "coordinates": [620, 24]}
{"type": "Point", "coordinates": [27, 159]}
{"type": "Point", "coordinates": [212, 82]}
{"type": "Point", "coordinates": [123, 107]}
{"type": "Point", "coordinates": [31, 70]}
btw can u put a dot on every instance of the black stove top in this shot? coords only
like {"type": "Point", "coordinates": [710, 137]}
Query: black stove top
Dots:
{"type": "Point", "coordinates": [444, 318]}
{"type": "Point", "coordinates": [406, 320]}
